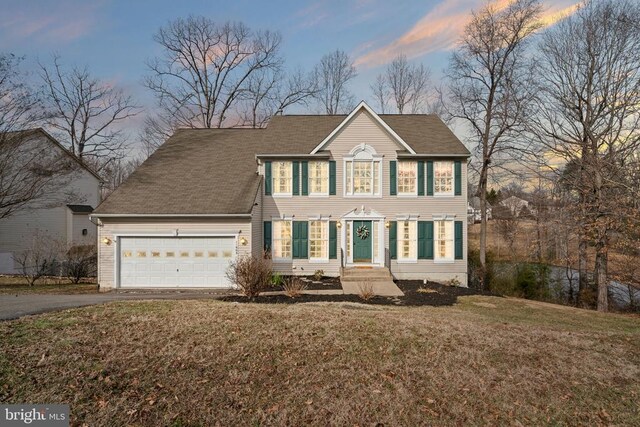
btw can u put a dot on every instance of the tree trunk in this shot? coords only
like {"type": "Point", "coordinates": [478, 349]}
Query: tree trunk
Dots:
{"type": "Point", "coordinates": [482, 193]}
{"type": "Point", "coordinates": [601, 274]}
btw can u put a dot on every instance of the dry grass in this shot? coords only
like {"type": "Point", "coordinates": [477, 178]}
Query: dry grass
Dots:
{"type": "Point", "coordinates": [293, 287]}
{"type": "Point", "coordinates": [491, 361]}
{"type": "Point", "coordinates": [46, 285]}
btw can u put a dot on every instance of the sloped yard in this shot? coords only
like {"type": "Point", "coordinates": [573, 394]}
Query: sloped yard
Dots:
{"type": "Point", "coordinates": [484, 360]}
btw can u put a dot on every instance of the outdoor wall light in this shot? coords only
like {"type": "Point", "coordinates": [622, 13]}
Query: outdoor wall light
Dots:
{"type": "Point", "coordinates": [387, 224]}
{"type": "Point", "coordinates": [244, 241]}
{"type": "Point", "coordinates": [106, 241]}
{"type": "Point", "coordinates": [339, 224]}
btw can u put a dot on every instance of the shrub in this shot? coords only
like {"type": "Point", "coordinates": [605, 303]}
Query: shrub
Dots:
{"type": "Point", "coordinates": [318, 275]}
{"type": "Point", "coordinates": [39, 258]}
{"type": "Point", "coordinates": [252, 275]}
{"type": "Point", "coordinates": [477, 278]}
{"type": "Point", "coordinates": [79, 262]}
{"type": "Point", "coordinates": [276, 279]}
{"type": "Point", "coordinates": [293, 287]}
{"type": "Point", "coordinates": [365, 291]}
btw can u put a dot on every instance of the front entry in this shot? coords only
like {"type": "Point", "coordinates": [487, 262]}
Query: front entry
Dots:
{"type": "Point", "coordinates": [362, 241]}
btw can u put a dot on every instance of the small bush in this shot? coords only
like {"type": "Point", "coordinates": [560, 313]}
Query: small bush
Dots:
{"type": "Point", "coordinates": [293, 287]}
{"type": "Point", "coordinates": [365, 291]}
{"type": "Point", "coordinates": [318, 275]}
{"type": "Point", "coordinates": [276, 280]}
{"type": "Point", "coordinates": [39, 258]}
{"type": "Point", "coordinates": [80, 262]}
{"type": "Point", "coordinates": [252, 275]}
{"type": "Point", "coordinates": [479, 279]}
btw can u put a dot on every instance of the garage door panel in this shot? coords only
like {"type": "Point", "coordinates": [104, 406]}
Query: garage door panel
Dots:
{"type": "Point", "coordinates": [175, 261]}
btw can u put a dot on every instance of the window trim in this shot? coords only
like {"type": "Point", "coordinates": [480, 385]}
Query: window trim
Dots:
{"type": "Point", "coordinates": [274, 193]}
{"type": "Point", "coordinates": [311, 193]}
{"type": "Point", "coordinates": [450, 221]}
{"type": "Point", "coordinates": [375, 161]}
{"type": "Point", "coordinates": [415, 192]}
{"type": "Point", "coordinates": [399, 258]}
{"type": "Point", "coordinates": [325, 223]}
{"type": "Point", "coordinates": [453, 179]}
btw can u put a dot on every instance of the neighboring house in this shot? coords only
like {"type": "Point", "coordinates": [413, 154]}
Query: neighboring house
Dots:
{"type": "Point", "coordinates": [474, 211]}
{"type": "Point", "coordinates": [65, 219]}
{"type": "Point", "coordinates": [315, 192]}
{"type": "Point", "coordinates": [515, 205]}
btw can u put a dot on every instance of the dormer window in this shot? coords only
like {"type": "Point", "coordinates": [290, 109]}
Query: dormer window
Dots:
{"type": "Point", "coordinates": [362, 172]}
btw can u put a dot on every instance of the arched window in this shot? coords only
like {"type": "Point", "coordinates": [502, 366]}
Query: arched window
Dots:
{"type": "Point", "coordinates": [362, 172]}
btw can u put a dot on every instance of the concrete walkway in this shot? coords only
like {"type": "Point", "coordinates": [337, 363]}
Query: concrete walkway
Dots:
{"type": "Point", "coordinates": [381, 288]}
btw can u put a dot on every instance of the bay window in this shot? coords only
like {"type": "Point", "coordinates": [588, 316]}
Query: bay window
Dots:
{"type": "Point", "coordinates": [319, 178]}
{"type": "Point", "coordinates": [443, 241]}
{"type": "Point", "coordinates": [443, 178]}
{"type": "Point", "coordinates": [408, 178]}
{"type": "Point", "coordinates": [407, 240]}
{"type": "Point", "coordinates": [319, 240]}
{"type": "Point", "coordinates": [282, 239]}
{"type": "Point", "coordinates": [282, 178]}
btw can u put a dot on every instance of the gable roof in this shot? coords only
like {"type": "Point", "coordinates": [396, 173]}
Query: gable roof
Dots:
{"type": "Point", "coordinates": [196, 172]}
{"type": "Point", "coordinates": [426, 134]}
{"type": "Point", "coordinates": [363, 106]}
{"type": "Point", "coordinates": [213, 172]}
{"type": "Point", "coordinates": [26, 133]}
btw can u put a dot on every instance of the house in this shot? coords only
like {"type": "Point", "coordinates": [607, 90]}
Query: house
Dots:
{"type": "Point", "coordinates": [474, 211]}
{"type": "Point", "coordinates": [515, 205]}
{"type": "Point", "coordinates": [63, 213]}
{"type": "Point", "coordinates": [313, 192]}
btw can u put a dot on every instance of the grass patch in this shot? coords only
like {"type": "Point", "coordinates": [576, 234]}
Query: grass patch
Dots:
{"type": "Point", "coordinates": [15, 285]}
{"type": "Point", "coordinates": [484, 360]}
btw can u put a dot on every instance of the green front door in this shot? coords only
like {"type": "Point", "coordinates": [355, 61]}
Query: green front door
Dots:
{"type": "Point", "coordinates": [362, 241]}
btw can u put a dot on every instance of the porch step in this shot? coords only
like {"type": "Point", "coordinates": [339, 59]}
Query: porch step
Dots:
{"type": "Point", "coordinates": [374, 274]}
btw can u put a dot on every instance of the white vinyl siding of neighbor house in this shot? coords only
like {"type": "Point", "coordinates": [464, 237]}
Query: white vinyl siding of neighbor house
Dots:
{"type": "Point", "coordinates": [111, 227]}
{"type": "Point", "coordinates": [363, 129]}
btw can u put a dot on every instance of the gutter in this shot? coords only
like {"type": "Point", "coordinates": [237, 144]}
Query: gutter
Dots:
{"type": "Point", "coordinates": [169, 216]}
{"type": "Point", "coordinates": [293, 156]}
{"type": "Point", "coordinates": [425, 156]}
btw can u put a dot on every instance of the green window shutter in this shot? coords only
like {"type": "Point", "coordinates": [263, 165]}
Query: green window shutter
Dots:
{"type": "Point", "coordinates": [429, 239]}
{"type": "Point", "coordinates": [296, 178]}
{"type": "Point", "coordinates": [266, 236]}
{"type": "Point", "coordinates": [429, 178]}
{"type": "Point", "coordinates": [457, 177]}
{"type": "Point", "coordinates": [422, 240]}
{"type": "Point", "coordinates": [393, 240]}
{"type": "Point", "coordinates": [333, 240]}
{"type": "Point", "coordinates": [300, 239]}
{"type": "Point", "coordinates": [267, 178]}
{"type": "Point", "coordinates": [305, 178]}
{"type": "Point", "coordinates": [393, 186]}
{"type": "Point", "coordinates": [421, 178]}
{"type": "Point", "coordinates": [332, 177]}
{"type": "Point", "coordinates": [458, 239]}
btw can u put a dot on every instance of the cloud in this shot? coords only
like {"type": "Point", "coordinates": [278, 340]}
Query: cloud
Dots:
{"type": "Point", "coordinates": [53, 23]}
{"type": "Point", "coordinates": [442, 27]}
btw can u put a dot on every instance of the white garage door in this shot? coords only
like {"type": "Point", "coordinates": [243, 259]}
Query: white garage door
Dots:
{"type": "Point", "coordinates": [175, 262]}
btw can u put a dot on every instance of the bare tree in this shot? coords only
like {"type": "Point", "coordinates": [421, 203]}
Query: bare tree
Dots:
{"type": "Point", "coordinates": [488, 85]}
{"type": "Point", "coordinates": [39, 258]}
{"type": "Point", "coordinates": [589, 115]}
{"type": "Point", "coordinates": [332, 76]}
{"type": "Point", "coordinates": [32, 175]}
{"type": "Point", "coordinates": [206, 68]}
{"type": "Point", "coordinates": [86, 112]}
{"type": "Point", "coordinates": [405, 84]}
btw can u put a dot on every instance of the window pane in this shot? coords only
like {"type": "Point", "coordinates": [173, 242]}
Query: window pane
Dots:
{"type": "Point", "coordinates": [319, 177]}
{"type": "Point", "coordinates": [376, 177]}
{"type": "Point", "coordinates": [318, 239]}
{"type": "Point", "coordinates": [443, 177]}
{"type": "Point", "coordinates": [444, 239]}
{"type": "Point", "coordinates": [282, 239]}
{"type": "Point", "coordinates": [282, 177]}
{"type": "Point", "coordinates": [407, 177]}
{"type": "Point", "coordinates": [407, 243]}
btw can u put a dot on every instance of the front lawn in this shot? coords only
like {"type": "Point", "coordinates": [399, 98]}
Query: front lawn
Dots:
{"type": "Point", "coordinates": [45, 285]}
{"type": "Point", "coordinates": [484, 360]}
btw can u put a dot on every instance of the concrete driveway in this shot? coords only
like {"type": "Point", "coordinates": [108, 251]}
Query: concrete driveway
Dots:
{"type": "Point", "coordinates": [15, 306]}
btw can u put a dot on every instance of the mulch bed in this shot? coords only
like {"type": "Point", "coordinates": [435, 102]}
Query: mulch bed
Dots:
{"type": "Point", "coordinates": [416, 293]}
{"type": "Point", "coordinates": [312, 284]}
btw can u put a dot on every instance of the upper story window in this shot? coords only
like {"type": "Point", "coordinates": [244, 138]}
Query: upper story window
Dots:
{"type": "Point", "coordinates": [319, 178]}
{"type": "Point", "coordinates": [443, 174]}
{"type": "Point", "coordinates": [408, 178]}
{"type": "Point", "coordinates": [282, 176]}
{"type": "Point", "coordinates": [362, 172]}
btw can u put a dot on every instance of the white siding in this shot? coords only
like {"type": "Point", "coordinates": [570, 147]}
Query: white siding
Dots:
{"type": "Point", "coordinates": [363, 129]}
